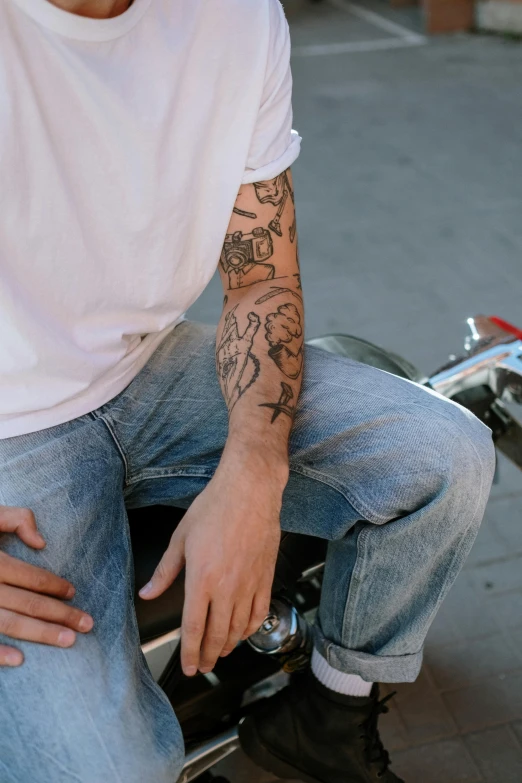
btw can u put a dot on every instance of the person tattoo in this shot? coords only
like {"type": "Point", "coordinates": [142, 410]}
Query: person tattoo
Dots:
{"type": "Point", "coordinates": [283, 404]}
{"type": "Point", "coordinates": [237, 367]}
{"type": "Point", "coordinates": [284, 333]}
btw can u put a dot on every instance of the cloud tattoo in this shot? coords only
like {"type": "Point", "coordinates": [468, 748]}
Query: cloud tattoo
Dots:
{"type": "Point", "coordinates": [284, 333]}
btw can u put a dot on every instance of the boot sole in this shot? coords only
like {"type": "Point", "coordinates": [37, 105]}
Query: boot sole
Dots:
{"type": "Point", "coordinates": [265, 758]}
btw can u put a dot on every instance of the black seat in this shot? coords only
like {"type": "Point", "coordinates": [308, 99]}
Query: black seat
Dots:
{"type": "Point", "coordinates": [151, 529]}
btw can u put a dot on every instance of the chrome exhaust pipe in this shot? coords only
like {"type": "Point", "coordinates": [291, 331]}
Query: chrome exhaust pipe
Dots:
{"type": "Point", "coordinates": [209, 753]}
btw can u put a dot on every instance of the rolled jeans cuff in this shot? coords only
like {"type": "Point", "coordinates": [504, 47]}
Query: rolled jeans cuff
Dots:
{"type": "Point", "coordinates": [371, 668]}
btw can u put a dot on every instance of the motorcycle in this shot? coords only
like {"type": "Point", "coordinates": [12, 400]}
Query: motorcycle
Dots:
{"type": "Point", "coordinates": [486, 378]}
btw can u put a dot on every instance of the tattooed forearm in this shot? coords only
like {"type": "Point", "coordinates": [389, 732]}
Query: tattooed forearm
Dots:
{"type": "Point", "coordinates": [283, 404]}
{"type": "Point", "coordinates": [260, 344]}
{"type": "Point", "coordinates": [237, 366]}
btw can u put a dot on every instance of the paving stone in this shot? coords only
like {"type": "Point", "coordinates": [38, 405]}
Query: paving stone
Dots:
{"type": "Point", "coordinates": [391, 725]}
{"type": "Point", "coordinates": [492, 701]}
{"type": "Point", "coordinates": [497, 754]}
{"type": "Point", "coordinates": [496, 577]}
{"type": "Point", "coordinates": [423, 712]}
{"type": "Point", "coordinates": [489, 544]}
{"type": "Point", "coordinates": [447, 761]}
{"type": "Point", "coordinates": [465, 613]}
{"type": "Point", "coordinates": [458, 664]}
{"type": "Point", "coordinates": [506, 513]}
{"type": "Point", "coordinates": [507, 608]}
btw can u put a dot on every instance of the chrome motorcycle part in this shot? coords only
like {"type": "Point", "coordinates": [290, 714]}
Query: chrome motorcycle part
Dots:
{"type": "Point", "coordinates": [493, 359]}
{"type": "Point", "coordinates": [367, 353]}
{"type": "Point", "coordinates": [284, 633]}
{"type": "Point", "coordinates": [209, 753]}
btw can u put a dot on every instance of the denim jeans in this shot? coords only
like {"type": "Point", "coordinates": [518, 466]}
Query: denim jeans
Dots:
{"type": "Point", "coordinates": [395, 478]}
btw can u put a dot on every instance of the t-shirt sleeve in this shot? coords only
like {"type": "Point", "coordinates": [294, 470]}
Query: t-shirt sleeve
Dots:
{"type": "Point", "coordinates": [274, 145]}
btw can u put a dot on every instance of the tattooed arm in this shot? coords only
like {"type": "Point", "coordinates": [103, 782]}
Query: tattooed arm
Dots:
{"type": "Point", "coordinates": [259, 349]}
{"type": "Point", "coordinates": [228, 540]}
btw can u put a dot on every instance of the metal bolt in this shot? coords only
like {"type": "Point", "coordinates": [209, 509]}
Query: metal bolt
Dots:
{"type": "Point", "coordinates": [270, 623]}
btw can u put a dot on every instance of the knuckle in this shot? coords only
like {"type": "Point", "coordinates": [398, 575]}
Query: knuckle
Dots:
{"type": "Point", "coordinates": [161, 572]}
{"type": "Point", "coordinates": [193, 628]}
{"type": "Point", "coordinates": [237, 627]}
{"type": "Point", "coordinates": [8, 622]}
{"type": "Point", "coordinates": [26, 516]}
{"type": "Point", "coordinates": [214, 640]}
{"type": "Point", "coordinates": [40, 581]}
{"type": "Point", "coordinates": [34, 605]}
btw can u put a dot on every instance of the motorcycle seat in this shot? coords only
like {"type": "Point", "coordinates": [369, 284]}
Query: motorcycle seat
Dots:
{"type": "Point", "coordinates": [151, 529]}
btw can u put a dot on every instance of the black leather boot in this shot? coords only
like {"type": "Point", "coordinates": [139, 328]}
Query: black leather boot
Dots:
{"type": "Point", "coordinates": [313, 734]}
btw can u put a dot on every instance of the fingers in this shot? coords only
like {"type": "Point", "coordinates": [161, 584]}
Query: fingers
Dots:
{"type": "Point", "coordinates": [18, 626]}
{"type": "Point", "coordinates": [9, 656]}
{"type": "Point", "coordinates": [260, 608]}
{"type": "Point", "coordinates": [22, 522]}
{"type": "Point", "coordinates": [216, 634]}
{"type": "Point", "coordinates": [238, 623]}
{"type": "Point", "coordinates": [20, 574]}
{"type": "Point", "coordinates": [168, 569]}
{"type": "Point", "coordinates": [44, 608]}
{"type": "Point", "coordinates": [195, 611]}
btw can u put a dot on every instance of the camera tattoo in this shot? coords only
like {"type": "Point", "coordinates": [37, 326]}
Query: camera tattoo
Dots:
{"type": "Point", "coordinates": [284, 333]}
{"type": "Point", "coordinates": [237, 366]}
{"type": "Point", "coordinates": [283, 404]}
{"type": "Point", "coordinates": [244, 255]}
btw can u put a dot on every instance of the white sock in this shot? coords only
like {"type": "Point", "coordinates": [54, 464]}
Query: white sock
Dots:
{"type": "Point", "coordinates": [349, 684]}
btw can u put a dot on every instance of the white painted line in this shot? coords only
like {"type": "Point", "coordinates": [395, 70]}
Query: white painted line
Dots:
{"type": "Point", "coordinates": [377, 20]}
{"type": "Point", "coordinates": [380, 44]}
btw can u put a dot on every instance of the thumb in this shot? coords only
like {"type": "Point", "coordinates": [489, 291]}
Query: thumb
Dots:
{"type": "Point", "coordinates": [21, 521]}
{"type": "Point", "coordinates": [167, 570]}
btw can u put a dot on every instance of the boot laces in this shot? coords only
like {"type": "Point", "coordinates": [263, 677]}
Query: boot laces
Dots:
{"type": "Point", "coordinates": [374, 750]}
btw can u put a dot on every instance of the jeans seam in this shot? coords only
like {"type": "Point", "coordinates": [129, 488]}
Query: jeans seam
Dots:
{"type": "Point", "coordinates": [358, 568]}
{"type": "Point", "coordinates": [192, 472]}
{"type": "Point", "coordinates": [118, 445]}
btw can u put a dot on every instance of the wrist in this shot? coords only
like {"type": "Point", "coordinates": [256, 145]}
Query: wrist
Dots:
{"type": "Point", "coordinates": [263, 461]}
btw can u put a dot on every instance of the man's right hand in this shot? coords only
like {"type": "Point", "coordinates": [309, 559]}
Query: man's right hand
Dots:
{"type": "Point", "coordinates": [32, 599]}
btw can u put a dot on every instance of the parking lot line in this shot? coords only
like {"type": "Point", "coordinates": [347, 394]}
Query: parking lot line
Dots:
{"type": "Point", "coordinates": [402, 36]}
{"type": "Point", "coordinates": [377, 20]}
{"type": "Point", "coordinates": [347, 47]}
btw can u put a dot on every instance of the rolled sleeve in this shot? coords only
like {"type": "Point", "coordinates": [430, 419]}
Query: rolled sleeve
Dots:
{"type": "Point", "coordinates": [274, 145]}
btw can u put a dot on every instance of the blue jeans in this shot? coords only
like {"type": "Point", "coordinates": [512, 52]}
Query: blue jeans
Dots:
{"type": "Point", "coordinates": [395, 477]}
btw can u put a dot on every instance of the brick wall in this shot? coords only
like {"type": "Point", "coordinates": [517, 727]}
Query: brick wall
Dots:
{"type": "Point", "coordinates": [450, 16]}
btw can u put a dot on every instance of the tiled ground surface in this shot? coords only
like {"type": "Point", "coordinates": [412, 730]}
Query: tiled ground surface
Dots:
{"type": "Point", "coordinates": [410, 202]}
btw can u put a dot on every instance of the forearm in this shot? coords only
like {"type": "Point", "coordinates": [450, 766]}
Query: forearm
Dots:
{"type": "Point", "coordinates": [259, 358]}
{"type": "Point", "coordinates": [259, 348]}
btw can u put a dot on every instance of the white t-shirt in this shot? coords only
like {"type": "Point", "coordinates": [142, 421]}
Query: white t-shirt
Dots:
{"type": "Point", "coordinates": [123, 144]}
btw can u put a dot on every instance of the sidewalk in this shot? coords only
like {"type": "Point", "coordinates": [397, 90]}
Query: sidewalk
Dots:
{"type": "Point", "coordinates": [409, 194]}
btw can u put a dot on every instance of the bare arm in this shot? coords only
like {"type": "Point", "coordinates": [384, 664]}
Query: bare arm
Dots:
{"type": "Point", "coordinates": [259, 347]}
{"type": "Point", "coordinates": [229, 538]}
